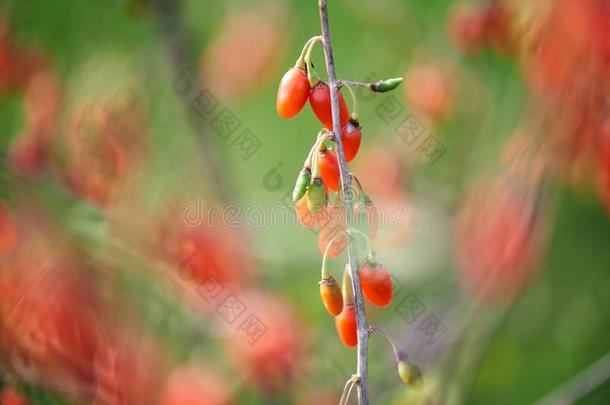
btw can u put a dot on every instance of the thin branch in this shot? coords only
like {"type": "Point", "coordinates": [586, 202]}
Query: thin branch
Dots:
{"type": "Point", "coordinates": [363, 397]}
{"type": "Point", "coordinates": [323, 135]}
{"type": "Point", "coordinates": [347, 389]}
{"type": "Point", "coordinates": [325, 273]}
{"type": "Point", "coordinates": [341, 83]}
{"type": "Point", "coordinates": [380, 86]}
{"type": "Point", "coordinates": [398, 352]}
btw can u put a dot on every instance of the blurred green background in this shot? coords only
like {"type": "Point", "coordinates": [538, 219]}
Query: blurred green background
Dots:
{"type": "Point", "coordinates": [556, 329]}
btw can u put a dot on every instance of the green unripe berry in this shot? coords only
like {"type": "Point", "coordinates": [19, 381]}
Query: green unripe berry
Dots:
{"type": "Point", "coordinates": [301, 184]}
{"type": "Point", "coordinates": [410, 374]}
{"type": "Point", "coordinates": [316, 195]}
{"type": "Point", "coordinates": [386, 85]}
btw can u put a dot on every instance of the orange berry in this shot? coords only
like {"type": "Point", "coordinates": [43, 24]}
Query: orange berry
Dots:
{"type": "Point", "coordinates": [347, 326]}
{"type": "Point", "coordinates": [292, 93]}
{"type": "Point", "coordinates": [329, 169]}
{"type": "Point", "coordinates": [331, 296]}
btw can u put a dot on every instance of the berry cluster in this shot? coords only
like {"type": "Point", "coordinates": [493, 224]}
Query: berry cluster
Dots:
{"type": "Point", "coordinates": [320, 194]}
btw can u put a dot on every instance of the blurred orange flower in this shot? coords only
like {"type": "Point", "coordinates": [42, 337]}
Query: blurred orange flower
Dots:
{"type": "Point", "coordinates": [195, 385]}
{"type": "Point", "coordinates": [246, 51]}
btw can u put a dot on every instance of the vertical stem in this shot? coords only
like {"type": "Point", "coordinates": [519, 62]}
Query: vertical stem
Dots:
{"type": "Point", "coordinates": [363, 397]}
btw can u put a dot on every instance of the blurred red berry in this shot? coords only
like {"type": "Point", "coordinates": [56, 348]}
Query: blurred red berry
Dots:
{"type": "Point", "coordinates": [28, 155]}
{"type": "Point", "coordinates": [380, 172]}
{"type": "Point", "coordinates": [304, 216]}
{"type": "Point", "coordinates": [102, 141]}
{"type": "Point", "coordinates": [571, 50]}
{"type": "Point", "coordinates": [567, 66]}
{"type": "Point", "coordinates": [129, 369]}
{"type": "Point", "coordinates": [17, 64]}
{"type": "Point", "coordinates": [472, 26]}
{"type": "Point", "coordinates": [205, 253]}
{"type": "Point", "coordinates": [308, 219]}
{"type": "Point", "coordinates": [8, 230]}
{"type": "Point", "coordinates": [333, 227]}
{"type": "Point", "coordinates": [42, 100]}
{"type": "Point", "coordinates": [498, 240]}
{"type": "Point", "coordinates": [195, 385]}
{"type": "Point", "coordinates": [29, 152]}
{"type": "Point", "coordinates": [10, 396]}
{"type": "Point", "coordinates": [467, 27]}
{"type": "Point", "coordinates": [428, 92]}
{"type": "Point", "coordinates": [498, 27]}
{"type": "Point", "coordinates": [54, 329]}
{"type": "Point", "coordinates": [246, 51]}
{"type": "Point", "coordinates": [376, 284]}
{"type": "Point", "coordinates": [269, 345]}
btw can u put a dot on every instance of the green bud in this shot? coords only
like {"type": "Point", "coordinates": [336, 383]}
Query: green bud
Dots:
{"type": "Point", "coordinates": [410, 374]}
{"type": "Point", "coordinates": [316, 195]}
{"type": "Point", "coordinates": [386, 85]}
{"type": "Point", "coordinates": [301, 185]}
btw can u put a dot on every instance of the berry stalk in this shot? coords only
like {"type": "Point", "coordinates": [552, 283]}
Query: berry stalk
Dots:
{"type": "Point", "coordinates": [325, 273]}
{"type": "Point", "coordinates": [363, 333]}
{"type": "Point", "coordinates": [381, 86]}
